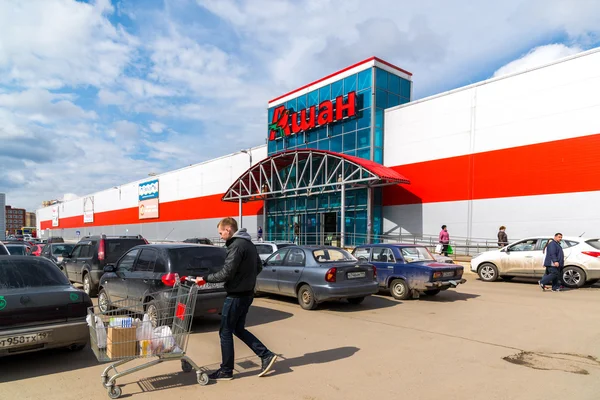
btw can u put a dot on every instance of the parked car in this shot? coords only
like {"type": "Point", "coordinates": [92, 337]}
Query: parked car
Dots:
{"type": "Point", "coordinates": [408, 270]}
{"type": "Point", "coordinates": [3, 250]}
{"type": "Point", "coordinates": [85, 264]}
{"type": "Point", "coordinates": [525, 259]}
{"type": "Point", "coordinates": [199, 241]}
{"type": "Point", "coordinates": [55, 239]}
{"type": "Point", "coordinates": [144, 272]}
{"type": "Point", "coordinates": [57, 251]}
{"type": "Point", "coordinates": [39, 309]}
{"type": "Point", "coordinates": [20, 249]}
{"type": "Point", "coordinates": [265, 249]}
{"type": "Point", "coordinates": [36, 250]}
{"type": "Point", "coordinates": [314, 274]}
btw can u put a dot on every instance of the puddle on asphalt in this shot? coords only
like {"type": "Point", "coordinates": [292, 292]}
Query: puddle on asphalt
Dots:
{"type": "Point", "coordinates": [572, 363]}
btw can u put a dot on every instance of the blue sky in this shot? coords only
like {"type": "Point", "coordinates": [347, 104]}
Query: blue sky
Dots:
{"type": "Point", "coordinates": [95, 94]}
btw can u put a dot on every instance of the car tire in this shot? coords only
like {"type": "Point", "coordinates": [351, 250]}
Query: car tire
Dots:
{"type": "Point", "coordinates": [432, 292]}
{"type": "Point", "coordinates": [399, 289]}
{"type": "Point", "coordinates": [103, 301]}
{"type": "Point", "coordinates": [88, 285]}
{"type": "Point", "coordinates": [573, 277]}
{"type": "Point", "coordinates": [356, 300]}
{"type": "Point", "coordinates": [507, 278]}
{"type": "Point", "coordinates": [306, 298]}
{"type": "Point", "coordinates": [488, 272]}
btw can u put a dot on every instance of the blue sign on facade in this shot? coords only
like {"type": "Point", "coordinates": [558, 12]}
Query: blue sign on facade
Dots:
{"type": "Point", "coordinates": [148, 190]}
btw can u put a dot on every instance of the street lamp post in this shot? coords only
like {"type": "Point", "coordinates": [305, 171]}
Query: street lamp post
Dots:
{"type": "Point", "coordinates": [249, 152]}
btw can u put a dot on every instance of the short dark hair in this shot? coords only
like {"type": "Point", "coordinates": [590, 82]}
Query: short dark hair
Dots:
{"type": "Point", "coordinates": [228, 222]}
{"type": "Point", "coordinates": [556, 234]}
{"type": "Point", "coordinates": [443, 226]}
{"type": "Point", "coordinates": [502, 227]}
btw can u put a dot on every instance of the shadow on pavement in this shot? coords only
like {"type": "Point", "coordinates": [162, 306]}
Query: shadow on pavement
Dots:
{"type": "Point", "coordinates": [448, 296]}
{"type": "Point", "coordinates": [40, 363]}
{"type": "Point", "coordinates": [245, 367]}
{"type": "Point", "coordinates": [534, 281]}
{"type": "Point", "coordinates": [256, 316]}
{"type": "Point", "coordinates": [370, 303]}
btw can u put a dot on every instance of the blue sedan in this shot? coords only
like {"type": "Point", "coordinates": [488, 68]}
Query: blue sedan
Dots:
{"type": "Point", "coordinates": [408, 270]}
{"type": "Point", "coordinates": [314, 274]}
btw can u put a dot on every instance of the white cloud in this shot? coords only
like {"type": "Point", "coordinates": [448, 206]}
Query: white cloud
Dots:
{"type": "Point", "coordinates": [536, 57]}
{"type": "Point", "coordinates": [108, 97]}
{"type": "Point", "coordinates": [157, 127]}
{"type": "Point", "coordinates": [42, 106]}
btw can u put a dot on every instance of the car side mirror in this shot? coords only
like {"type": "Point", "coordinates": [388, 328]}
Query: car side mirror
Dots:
{"type": "Point", "coordinates": [109, 268]}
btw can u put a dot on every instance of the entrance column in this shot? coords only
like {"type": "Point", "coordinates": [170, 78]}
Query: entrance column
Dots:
{"type": "Point", "coordinates": [241, 223]}
{"type": "Point", "coordinates": [369, 213]}
{"type": "Point", "coordinates": [343, 216]}
{"type": "Point", "coordinates": [265, 220]}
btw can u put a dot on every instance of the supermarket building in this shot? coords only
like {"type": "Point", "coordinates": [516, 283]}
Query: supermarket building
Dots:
{"type": "Point", "coordinates": [351, 159]}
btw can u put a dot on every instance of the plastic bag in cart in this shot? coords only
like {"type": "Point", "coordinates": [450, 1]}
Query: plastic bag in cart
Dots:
{"type": "Point", "coordinates": [144, 329]}
{"type": "Point", "coordinates": [100, 330]}
{"type": "Point", "coordinates": [163, 340]}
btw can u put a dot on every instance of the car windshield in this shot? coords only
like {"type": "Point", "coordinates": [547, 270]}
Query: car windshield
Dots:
{"type": "Point", "coordinates": [197, 260]}
{"type": "Point", "coordinates": [30, 273]}
{"type": "Point", "coordinates": [16, 249]}
{"type": "Point", "coordinates": [416, 254]}
{"type": "Point", "coordinates": [332, 255]}
{"type": "Point", "coordinates": [62, 248]}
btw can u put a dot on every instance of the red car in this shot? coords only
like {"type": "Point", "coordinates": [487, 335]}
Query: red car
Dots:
{"type": "Point", "coordinates": [36, 250]}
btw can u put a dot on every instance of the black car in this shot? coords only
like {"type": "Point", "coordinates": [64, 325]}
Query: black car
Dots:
{"type": "Point", "coordinates": [57, 251]}
{"type": "Point", "coordinates": [198, 241]}
{"type": "Point", "coordinates": [39, 308]}
{"type": "Point", "coordinates": [85, 264]}
{"type": "Point", "coordinates": [144, 272]}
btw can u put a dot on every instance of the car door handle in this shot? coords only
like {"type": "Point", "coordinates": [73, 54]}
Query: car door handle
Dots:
{"type": "Point", "coordinates": [296, 270]}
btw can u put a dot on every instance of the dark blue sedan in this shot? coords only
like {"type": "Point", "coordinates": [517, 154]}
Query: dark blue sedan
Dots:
{"type": "Point", "coordinates": [408, 270]}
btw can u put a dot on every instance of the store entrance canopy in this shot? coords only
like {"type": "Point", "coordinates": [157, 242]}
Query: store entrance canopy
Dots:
{"type": "Point", "coordinates": [308, 172]}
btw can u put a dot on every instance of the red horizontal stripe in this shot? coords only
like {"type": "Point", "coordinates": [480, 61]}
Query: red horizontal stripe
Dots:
{"type": "Point", "coordinates": [561, 166]}
{"type": "Point", "coordinates": [341, 72]}
{"type": "Point", "coordinates": [180, 210]}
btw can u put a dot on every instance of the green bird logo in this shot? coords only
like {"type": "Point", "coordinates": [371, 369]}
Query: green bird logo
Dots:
{"type": "Point", "coordinates": [2, 303]}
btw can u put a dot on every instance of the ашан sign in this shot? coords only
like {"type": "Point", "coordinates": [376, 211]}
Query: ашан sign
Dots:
{"type": "Point", "coordinates": [288, 122]}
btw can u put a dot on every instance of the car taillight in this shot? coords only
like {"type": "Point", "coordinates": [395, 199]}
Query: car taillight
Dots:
{"type": "Point", "coordinates": [592, 253]}
{"type": "Point", "coordinates": [330, 275]}
{"type": "Point", "coordinates": [101, 250]}
{"type": "Point", "coordinates": [374, 272]}
{"type": "Point", "coordinates": [437, 275]}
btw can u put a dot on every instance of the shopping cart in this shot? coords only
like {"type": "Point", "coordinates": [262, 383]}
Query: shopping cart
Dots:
{"type": "Point", "coordinates": [125, 332]}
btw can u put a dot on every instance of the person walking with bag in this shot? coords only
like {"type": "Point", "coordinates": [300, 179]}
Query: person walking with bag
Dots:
{"type": "Point", "coordinates": [554, 262]}
{"type": "Point", "coordinates": [444, 240]}
{"type": "Point", "coordinates": [242, 265]}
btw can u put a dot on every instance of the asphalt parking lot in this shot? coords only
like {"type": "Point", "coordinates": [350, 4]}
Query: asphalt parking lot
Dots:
{"type": "Point", "coordinates": [483, 341]}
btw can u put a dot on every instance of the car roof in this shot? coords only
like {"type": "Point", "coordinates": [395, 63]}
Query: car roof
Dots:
{"type": "Point", "coordinates": [391, 244]}
{"type": "Point", "coordinates": [177, 246]}
{"type": "Point", "coordinates": [573, 238]}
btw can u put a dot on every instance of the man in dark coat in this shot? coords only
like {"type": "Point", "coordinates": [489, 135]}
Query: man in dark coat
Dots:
{"type": "Point", "coordinates": [554, 261]}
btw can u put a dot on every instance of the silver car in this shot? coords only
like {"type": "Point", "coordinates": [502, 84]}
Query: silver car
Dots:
{"type": "Point", "coordinates": [525, 259]}
{"type": "Point", "coordinates": [265, 249]}
{"type": "Point", "coordinates": [314, 274]}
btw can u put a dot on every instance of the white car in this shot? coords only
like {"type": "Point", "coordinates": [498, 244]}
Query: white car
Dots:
{"type": "Point", "coordinates": [525, 259]}
{"type": "Point", "coordinates": [265, 249]}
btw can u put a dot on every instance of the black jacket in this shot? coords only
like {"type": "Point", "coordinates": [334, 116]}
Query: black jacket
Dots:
{"type": "Point", "coordinates": [554, 253]}
{"type": "Point", "coordinates": [502, 238]}
{"type": "Point", "coordinates": [242, 266]}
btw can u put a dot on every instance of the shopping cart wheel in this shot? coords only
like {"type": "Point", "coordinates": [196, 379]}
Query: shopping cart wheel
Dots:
{"type": "Point", "coordinates": [114, 392]}
{"type": "Point", "coordinates": [203, 378]}
{"type": "Point", "coordinates": [186, 366]}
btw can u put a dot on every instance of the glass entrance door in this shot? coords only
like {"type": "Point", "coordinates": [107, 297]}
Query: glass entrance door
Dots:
{"type": "Point", "coordinates": [328, 228]}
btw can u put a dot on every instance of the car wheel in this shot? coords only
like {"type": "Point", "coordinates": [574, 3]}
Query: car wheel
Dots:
{"type": "Point", "coordinates": [399, 289]}
{"type": "Point", "coordinates": [507, 278]}
{"type": "Point", "coordinates": [103, 301]}
{"type": "Point", "coordinates": [87, 285]}
{"type": "Point", "coordinates": [306, 298]}
{"type": "Point", "coordinates": [356, 300]}
{"type": "Point", "coordinates": [573, 277]}
{"type": "Point", "coordinates": [153, 313]}
{"type": "Point", "coordinates": [488, 272]}
{"type": "Point", "coordinates": [432, 292]}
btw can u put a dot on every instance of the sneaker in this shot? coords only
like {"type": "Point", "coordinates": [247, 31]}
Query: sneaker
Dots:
{"type": "Point", "coordinates": [267, 364]}
{"type": "Point", "coordinates": [542, 286]}
{"type": "Point", "coordinates": [220, 375]}
{"type": "Point", "coordinates": [556, 290]}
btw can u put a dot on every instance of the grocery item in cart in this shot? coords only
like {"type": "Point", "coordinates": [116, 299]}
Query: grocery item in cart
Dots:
{"type": "Point", "coordinates": [100, 330]}
{"type": "Point", "coordinates": [162, 340]}
{"type": "Point", "coordinates": [121, 342]}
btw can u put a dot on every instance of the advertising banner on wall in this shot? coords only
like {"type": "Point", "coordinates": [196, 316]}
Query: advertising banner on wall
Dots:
{"type": "Point", "coordinates": [88, 209]}
{"type": "Point", "coordinates": [148, 199]}
{"type": "Point", "coordinates": [55, 217]}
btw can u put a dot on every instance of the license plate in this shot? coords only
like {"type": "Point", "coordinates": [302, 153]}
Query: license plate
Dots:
{"type": "Point", "coordinates": [356, 275]}
{"type": "Point", "coordinates": [210, 286]}
{"type": "Point", "coordinates": [446, 274]}
{"type": "Point", "coordinates": [23, 340]}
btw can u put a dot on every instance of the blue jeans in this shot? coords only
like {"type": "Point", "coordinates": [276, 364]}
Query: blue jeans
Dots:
{"type": "Point", "coordinates": [552, 276]}
{"type": "Point", "coordinates": [233, 322]}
